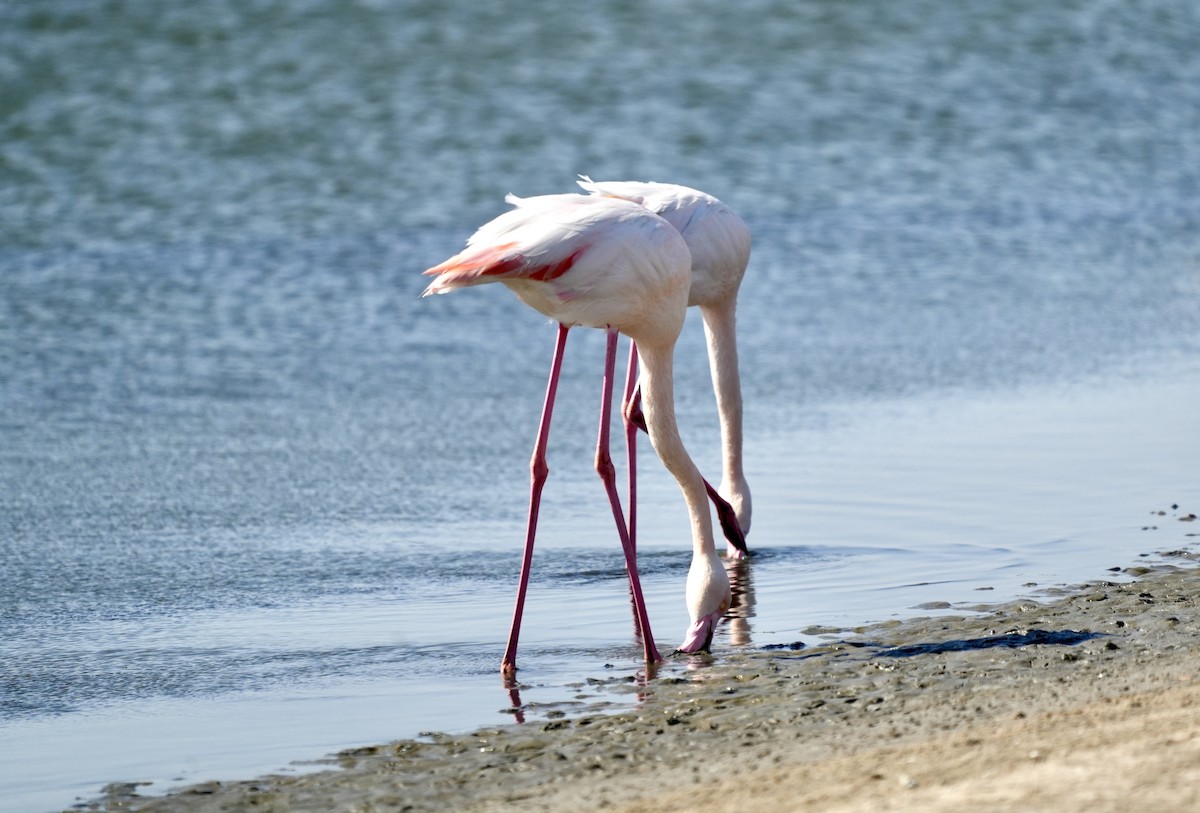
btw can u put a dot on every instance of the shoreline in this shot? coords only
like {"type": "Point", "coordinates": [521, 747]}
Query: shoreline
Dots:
{"type": "Point", "coordinates": [1088, 695]}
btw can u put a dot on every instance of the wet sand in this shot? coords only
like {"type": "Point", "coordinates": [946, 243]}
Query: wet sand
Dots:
{"type": "Point", "coordinates": [1086, 698]}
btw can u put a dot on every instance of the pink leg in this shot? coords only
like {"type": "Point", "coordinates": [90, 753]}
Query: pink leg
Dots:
{"type": "Point", "coordinates": [631, 430]}
{"type": "Point", "coordinates": [608, 474]}
{"type": "Point", "coordinates": [538, 472]}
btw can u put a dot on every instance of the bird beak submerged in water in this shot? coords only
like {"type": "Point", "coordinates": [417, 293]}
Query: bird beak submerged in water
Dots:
{"type": "Point", "coordinates": [700, 634]}
{"type": "Point", "coordinates": [709, 597]}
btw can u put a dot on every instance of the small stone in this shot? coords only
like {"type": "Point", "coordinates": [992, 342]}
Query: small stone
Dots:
{"type": "Point", "coordinates": [204, 789]}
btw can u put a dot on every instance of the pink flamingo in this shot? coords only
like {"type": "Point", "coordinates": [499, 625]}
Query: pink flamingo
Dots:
{"type": "Point", "coordinates": [611, 264]}
{"type": "Point", "coordinates": [719, 243]}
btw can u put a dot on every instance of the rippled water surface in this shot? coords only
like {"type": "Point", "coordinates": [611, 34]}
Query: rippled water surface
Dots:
{"type": "Point", "coordinates": [258, 501]}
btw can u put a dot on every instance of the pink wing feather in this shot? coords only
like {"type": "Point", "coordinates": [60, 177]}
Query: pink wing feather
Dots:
{"type": "Point", "coordinates": [520, 244]}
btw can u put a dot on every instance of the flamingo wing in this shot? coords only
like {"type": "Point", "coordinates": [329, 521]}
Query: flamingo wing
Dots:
{"type": "Point", "coordinates": [540, 240]}
{"type": "Point", "coordinates": [523, 243]}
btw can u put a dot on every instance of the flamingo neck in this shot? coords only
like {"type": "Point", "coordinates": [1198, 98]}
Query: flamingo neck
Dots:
{"type": "Point", "coordinates": [720, 333]}
{"type": "Point", "coordinates": [658, 403]}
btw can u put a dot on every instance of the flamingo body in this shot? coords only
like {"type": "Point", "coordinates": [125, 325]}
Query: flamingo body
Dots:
{"type": "Point", "coordinates": [717, 238]}
{"type": "Point", "coordinates": [582, 261]}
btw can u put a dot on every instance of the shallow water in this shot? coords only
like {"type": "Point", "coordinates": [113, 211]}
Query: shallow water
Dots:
{"type": "Point", "coordinates": [258, 501]}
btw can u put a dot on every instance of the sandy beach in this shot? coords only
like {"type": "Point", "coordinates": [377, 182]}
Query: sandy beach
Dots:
{"type": "Point", "coordinates": [1084, 699]}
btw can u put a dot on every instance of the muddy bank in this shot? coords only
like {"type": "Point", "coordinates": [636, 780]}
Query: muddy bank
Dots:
{"type": "Point", "coordinates": [1088, 695]}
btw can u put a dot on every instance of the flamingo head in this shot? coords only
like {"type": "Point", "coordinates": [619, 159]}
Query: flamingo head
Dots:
{"type": "Point", "coordinates": [737, 493]}
{"type": "Point", "coordinates": [708, 598]}
{"type": "Point", "coordinates": [700, 634]}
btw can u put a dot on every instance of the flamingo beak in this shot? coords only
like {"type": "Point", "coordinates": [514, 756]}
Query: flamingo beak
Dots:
{"type": "Point", "coordinates": [700, 634]}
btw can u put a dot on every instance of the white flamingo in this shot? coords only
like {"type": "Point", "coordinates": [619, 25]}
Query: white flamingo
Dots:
{"type": "Point", "coordinates": [611, 264]}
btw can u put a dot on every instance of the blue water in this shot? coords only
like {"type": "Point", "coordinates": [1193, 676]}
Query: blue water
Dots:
{"type": "Point", "coordinates": [258, 501]}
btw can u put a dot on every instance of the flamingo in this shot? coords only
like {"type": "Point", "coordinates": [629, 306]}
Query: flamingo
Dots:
{"type": "Point", "coordinates": [719, 242]}
{"type": "Point", "coordinates": [612, 264]}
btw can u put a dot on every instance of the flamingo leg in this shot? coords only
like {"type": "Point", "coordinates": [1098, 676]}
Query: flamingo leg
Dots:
{"type": "Point", "coordinates": [539, 471]}
{"type": "Point", "coordinates": [631, 430]}
{"type": "Point", "coordinates": [725, 513]}
{"type": "Point", "coordinates": [608, 473]}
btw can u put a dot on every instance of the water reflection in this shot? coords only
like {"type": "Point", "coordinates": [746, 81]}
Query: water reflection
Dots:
{"type": "Point", "coordinates": [741, 610]}
{"type": "Point", "coordinates": [514, 699]}
{"type": "Point", "coordinates": [617, 684]}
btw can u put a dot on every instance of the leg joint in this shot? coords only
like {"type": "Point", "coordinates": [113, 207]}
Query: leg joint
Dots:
{"type": "Point", "coordinates": [539, 470]}
{"type": "Point", "coordinates": [605, 467]}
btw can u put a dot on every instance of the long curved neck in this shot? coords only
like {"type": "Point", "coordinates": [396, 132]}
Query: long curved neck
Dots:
{"type": "Point", "coordinates": [721, 335]}
{"type": "Point", "coordinates": [720, 332]}
{"type": "Point", "coordinates": [658, 403]}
